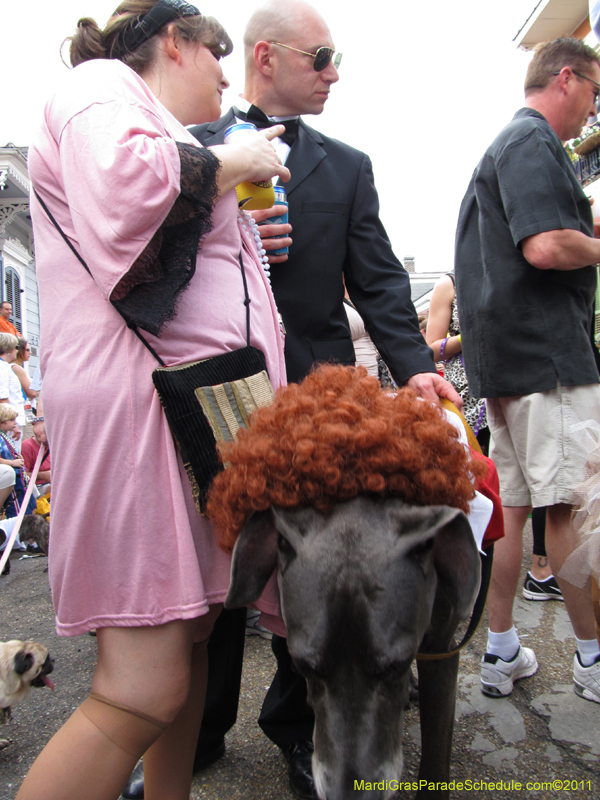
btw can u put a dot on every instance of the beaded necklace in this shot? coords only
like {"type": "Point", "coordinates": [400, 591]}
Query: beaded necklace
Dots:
{"type": "Point", "coordinates": [247, 221]}
{"type": "Point", "coordinates": [15, 454]}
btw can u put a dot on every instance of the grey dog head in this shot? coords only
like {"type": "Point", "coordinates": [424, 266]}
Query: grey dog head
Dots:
{"type": "Point", "coordinates": [359, 589]}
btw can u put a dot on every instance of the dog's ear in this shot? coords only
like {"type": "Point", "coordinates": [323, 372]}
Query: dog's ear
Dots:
{"type": "Point", "coordinates": [23, 662]}
{"type": "Point", "coordinates": [254, 559]}
{"type": "Point", "coordinates": [458, 567]}
{"type": "Point", "coordinates": [457, 563]}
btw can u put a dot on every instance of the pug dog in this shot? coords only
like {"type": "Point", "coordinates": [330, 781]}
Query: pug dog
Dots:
{"type": "Point", "coordinates": [22, 665]}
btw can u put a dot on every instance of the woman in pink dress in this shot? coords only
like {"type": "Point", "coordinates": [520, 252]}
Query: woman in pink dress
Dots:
{"type": "Point", "coordinates": [155, 218]}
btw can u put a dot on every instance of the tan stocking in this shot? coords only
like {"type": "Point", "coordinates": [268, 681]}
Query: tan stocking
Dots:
{"type": "Point", "coordinates": [169, 762]}
{"type": "Point", "coordinates": [92, 755]}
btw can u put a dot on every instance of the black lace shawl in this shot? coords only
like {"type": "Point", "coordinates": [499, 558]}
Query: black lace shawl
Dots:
{"type": "Point", "coordinates": [147, 295]}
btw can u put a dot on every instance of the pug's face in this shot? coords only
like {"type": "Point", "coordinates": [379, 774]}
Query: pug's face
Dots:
{"type": "Point", "coordinates": [22, 665]}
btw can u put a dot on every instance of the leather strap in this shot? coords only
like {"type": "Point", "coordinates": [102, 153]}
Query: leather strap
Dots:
{"type": "Point", "coordinates": [134, 328]}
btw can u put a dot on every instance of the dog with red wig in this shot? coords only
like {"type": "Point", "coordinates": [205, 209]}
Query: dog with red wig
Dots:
{"type": "Point", "coordinates": [358, 498]}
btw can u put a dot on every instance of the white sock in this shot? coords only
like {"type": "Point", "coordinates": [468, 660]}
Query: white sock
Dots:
{"type": "Point", "coordinates": [589, 650]}
{"type": "Point", "coordinates": [503, 644]}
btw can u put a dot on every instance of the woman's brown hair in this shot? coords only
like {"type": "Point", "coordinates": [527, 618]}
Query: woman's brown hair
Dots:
{"type": "Point", "coordinates": [21, 347]}
{"type": "Point", "coordinates": [90, 42]}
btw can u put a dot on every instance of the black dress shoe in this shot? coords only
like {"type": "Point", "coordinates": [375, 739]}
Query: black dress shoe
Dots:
{"type": "Point", "coordinates": [299, 758]}
{"type": "Point", "coordinates": [209, 755]}
{"type": "Point", "coordinates": [135, 788]}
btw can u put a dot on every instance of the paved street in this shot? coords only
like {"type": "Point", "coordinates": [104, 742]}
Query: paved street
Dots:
{"type": "Point", "coordinates": [542, 733]}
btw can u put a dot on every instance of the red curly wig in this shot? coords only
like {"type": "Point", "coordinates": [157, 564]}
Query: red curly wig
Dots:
{"type": "Point", "coordinates": [332, 437]}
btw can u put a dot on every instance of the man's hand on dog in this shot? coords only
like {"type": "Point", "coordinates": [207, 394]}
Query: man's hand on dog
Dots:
{"type": "Point", "coordinates": [431, 386]}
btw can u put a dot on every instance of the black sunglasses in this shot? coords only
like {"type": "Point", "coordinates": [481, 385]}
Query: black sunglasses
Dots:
{"type": "Point", "coordinates": [322, 58]}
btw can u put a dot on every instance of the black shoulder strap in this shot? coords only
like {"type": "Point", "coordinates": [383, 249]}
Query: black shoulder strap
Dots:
{"type": "Point", "coordinates": [80, 259]}
{"type": "Point", "coordinates": [247, 300]}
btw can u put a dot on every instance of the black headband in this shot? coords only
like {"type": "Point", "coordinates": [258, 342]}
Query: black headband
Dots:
{"type": "Point", "coordinates": [150, 24]}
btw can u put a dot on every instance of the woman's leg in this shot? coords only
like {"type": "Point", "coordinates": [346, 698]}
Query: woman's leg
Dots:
{"type": "Point", "coordinates": [168, 764]}
{"type": "Point", "coordinates": [141, 683]}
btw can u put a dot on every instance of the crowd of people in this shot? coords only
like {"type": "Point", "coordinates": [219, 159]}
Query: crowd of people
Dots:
{"type": "Point", "coordinates": [142, 209]}
{"type": "Point", "coordinates": [20, 430]}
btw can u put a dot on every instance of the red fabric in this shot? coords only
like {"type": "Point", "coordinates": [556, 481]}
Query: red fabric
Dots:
{"type": "Point", "coordinates": [490, 488]}
{"type": "Point", "coordinates": [29, 450]}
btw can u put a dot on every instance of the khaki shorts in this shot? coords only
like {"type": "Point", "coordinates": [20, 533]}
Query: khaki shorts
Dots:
{"type": "Point", "coordinates": [538, 455]}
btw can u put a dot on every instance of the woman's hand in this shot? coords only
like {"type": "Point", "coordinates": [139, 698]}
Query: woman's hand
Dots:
{"type": "Point", "coordinates": [254, 159]}
{"type": "Point", "coordinates": [265, 161]}
{"type": "Point", "coordinates": [17, 463]}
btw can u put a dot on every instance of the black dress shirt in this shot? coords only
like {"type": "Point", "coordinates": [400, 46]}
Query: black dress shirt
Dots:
{"type": "Point", "coordinates": [523, 328]}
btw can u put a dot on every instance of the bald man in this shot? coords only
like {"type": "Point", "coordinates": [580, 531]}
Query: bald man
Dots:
{"type": "Point", "coordinates": [290, 69]}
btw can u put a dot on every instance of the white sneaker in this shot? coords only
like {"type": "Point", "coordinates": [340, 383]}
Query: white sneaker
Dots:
{"type": "Point", "coordinates": [498, 676]}
{"type": "Point", "coordinates": [587, 679]}
{"type": "Point", "coordinates": [252, 626]}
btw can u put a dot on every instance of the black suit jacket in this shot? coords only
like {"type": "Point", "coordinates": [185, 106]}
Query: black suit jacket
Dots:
{"type": "Point", "coordinates": [334, 211]}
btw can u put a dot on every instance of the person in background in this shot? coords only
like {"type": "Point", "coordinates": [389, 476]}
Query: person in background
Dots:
{"type": "Point", "coordinates": [10, 457]}
{"type": "Point", "coordinates": [364, 349]}
{"type": "Point", "coordinates": [36, 386]}
{"type": "Point", "coordinates": [6, 325]}
{"type": "Point", "coordinates": [443, 336]}
{"type": "Point", "coordinates": [23, 356]}
{"type": "Point", "coordinates": [30, 449]}
{"type": "Point", "coordinates": [29, 394]}
{"type": "Point", "coordinates": [10, 387]}
{"type": "Point", "coordinates": [526, 279]}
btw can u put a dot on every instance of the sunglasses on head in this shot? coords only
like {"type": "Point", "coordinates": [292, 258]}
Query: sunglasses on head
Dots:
{"type": "Point", "coordinates": [322, 58]}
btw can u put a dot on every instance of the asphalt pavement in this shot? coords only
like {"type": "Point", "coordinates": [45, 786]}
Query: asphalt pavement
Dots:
{"type": "Point", "coordinates": [543, 735]}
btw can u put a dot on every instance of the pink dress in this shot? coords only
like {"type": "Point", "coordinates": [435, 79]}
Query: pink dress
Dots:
{"type": "Point", "coordinates": [128, 547]}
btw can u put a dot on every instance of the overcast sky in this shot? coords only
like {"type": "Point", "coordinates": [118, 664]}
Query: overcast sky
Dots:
{"type": "Point", "coordinates": [424, 87]}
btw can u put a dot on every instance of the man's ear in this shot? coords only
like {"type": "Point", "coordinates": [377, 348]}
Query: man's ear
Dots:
{"type": "Point", "coordinates": [566, 79]}
{"type": "Point", "coordinates": [262, 58]}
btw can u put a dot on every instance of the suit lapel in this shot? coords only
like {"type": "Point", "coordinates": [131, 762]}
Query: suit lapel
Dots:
{"type": "Point", "coordinates": [304, 157]}
{"type": "Point", "coordinates": [216, 130]}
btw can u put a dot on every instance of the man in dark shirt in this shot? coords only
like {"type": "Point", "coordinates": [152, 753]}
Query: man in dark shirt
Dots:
{"type": "Point", "coordinates": [526, 278]}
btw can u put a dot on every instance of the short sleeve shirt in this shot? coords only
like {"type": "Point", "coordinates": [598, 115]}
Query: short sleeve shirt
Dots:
{"type": "Point", "coordinates": [523, 328]}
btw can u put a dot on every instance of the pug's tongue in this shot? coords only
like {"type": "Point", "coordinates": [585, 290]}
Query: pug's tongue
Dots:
{"type": "Point", "coordinates": [47, 682]}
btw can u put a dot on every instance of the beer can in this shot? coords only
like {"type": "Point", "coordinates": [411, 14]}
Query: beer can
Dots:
{"type": "Point", "coordinates": [280, 200]}
{"type": "Point", "coordinates": [251, 195]}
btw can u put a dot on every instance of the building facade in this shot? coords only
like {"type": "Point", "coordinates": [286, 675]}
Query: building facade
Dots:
{"type": "Point", "coordinates": [18, 282]}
